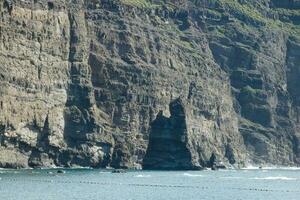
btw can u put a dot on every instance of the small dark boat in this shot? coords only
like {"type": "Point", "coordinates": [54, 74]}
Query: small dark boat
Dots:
{"type": "Point", "coordinates": [60, 171]}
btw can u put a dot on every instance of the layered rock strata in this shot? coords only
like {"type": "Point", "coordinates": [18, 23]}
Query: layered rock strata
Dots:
{"type": "Point", "coordinates": [163, 85]}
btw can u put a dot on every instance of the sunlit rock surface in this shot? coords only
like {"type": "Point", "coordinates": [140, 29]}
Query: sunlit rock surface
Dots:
{"type": "Point", "coordinates": [163, 85]}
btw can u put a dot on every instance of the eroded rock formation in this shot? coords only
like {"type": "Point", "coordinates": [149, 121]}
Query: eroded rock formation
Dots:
{"type": "Point", "coordinates": [167, 148]}
{"type": "Point", "coordinates": [163, 84]}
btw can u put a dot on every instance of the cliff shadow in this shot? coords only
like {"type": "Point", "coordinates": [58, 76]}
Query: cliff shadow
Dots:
{"type": "Point", "coordinates": [167, 148]}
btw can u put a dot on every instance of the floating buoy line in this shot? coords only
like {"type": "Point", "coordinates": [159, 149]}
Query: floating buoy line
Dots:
{"type": "Point", "coordinates": [148, 185]}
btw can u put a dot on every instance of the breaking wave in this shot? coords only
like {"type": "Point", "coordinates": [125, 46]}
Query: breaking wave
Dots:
{"type": "Point", "coordinates": [256, 167]}
{"type": "Point", "coordinates": [192, 175]}
{"type": "Point", "coordinates": [142, 176]}
{"type": "Point", "coordinates": [275, 178]}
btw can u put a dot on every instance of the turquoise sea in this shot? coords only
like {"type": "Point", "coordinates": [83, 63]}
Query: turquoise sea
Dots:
{"type": "Point", "coordinates": [90, 184]}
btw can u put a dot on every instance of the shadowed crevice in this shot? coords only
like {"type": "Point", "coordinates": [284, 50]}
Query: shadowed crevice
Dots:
{"type": "Point", "coordinates": [167, 149]}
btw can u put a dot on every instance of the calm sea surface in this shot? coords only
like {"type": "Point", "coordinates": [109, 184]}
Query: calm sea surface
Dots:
{"type": "Point", "coordinates": [87, 184]}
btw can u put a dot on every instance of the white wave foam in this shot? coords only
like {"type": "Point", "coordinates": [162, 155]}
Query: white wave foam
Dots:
{"type": "Point", "coordinates": [192, 175]}
{"type": "Point", "coordinates": [275, 178]}
{"type": "Point", "coordinates": [270, 167]}
{"type": "Point", "coordinates": [250, 167]}
{"type": "Point", "coordinates": [142, 176]}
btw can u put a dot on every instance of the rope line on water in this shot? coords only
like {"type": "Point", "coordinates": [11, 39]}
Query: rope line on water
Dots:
{"type": "Point", "coordinates": [150, 185]}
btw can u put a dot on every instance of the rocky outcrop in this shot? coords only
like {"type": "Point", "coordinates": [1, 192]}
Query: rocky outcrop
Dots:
{"type": "Point", "coordinates": [163, 85]}
{"type": "Point", "coordinates": [167, 148]}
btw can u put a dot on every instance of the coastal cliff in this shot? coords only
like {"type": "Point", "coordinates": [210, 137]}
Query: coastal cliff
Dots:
{"type": "Point", "coordinates": [152, 84]}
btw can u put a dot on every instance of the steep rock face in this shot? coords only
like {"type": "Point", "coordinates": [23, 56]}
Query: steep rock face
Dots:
{"type": "Point", "coordinates": [260, 62]}
{"type": "Point", "coordinates": [139, 57]}
{"type": "Point", "coordinates": [163, 85]}
{"type": "Point", "coordinates": [48, 114]}
{"type": "Point", "coordinates": [34, 44]}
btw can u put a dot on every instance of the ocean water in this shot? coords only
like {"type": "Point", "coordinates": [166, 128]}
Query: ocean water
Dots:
{"type": "Point", "coordinates": [88, 184]}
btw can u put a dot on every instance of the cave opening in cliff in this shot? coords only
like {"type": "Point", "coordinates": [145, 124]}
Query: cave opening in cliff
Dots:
{"type": "Point", "coordinates": [167, 148]}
